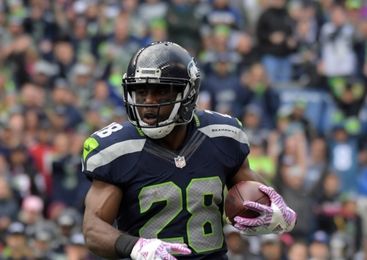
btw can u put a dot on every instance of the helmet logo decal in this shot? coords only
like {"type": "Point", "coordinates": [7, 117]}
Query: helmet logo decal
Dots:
{"type": "Point", "coordinates": [192, 71]}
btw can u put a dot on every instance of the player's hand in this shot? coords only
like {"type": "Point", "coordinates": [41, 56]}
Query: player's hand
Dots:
{"type": "Point", "coordinates": [151, 249]}
{"type": "Point", "coordinates": [277, 218]}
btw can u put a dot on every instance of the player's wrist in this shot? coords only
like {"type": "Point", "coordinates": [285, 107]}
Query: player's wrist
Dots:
{"type": "Point", "coordinates": [124, 245]}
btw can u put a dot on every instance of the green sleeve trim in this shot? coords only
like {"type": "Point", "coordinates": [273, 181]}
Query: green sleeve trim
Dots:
{"type": "Point", "coordinates": [90, 144]}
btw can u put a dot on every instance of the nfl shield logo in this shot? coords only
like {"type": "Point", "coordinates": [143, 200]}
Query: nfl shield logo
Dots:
{"type": "Point", "coordinates": [180, 161]}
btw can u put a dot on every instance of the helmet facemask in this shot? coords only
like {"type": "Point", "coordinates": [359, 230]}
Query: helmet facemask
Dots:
{"type": "Point", "coordinates": [178, 93]}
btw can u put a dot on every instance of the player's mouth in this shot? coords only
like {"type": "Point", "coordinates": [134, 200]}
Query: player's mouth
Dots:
{"type": "Point", "coordinates": [150, 119]}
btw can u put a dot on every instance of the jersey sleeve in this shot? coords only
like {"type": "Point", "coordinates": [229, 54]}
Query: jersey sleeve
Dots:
{"type": "Point", "coordinates": [228, 136]}
{"type": "Point", "coordinates": [109, 158]}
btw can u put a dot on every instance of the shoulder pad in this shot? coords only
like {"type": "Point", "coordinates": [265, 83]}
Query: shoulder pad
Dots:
{"type": "Point", "coordinates": [214, 124]}
{"type": "Point", "coordinates": [227, 135]}
{"type": "Point", "coordinates": [108, 144]}
{"type": "Point", "coordinates": [205, 117]}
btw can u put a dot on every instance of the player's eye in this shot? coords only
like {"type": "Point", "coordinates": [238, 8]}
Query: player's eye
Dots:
{"type": "Point", "coordinates": [163, 92]}
{"type": "Point", "coordinates": [141, 92]}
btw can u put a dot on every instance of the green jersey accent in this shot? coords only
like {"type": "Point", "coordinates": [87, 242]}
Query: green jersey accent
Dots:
{"type": "Point", "coordinates": [89, 145]}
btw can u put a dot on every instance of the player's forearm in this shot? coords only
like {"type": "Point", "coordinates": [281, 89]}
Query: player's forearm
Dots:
{"type": "Point", "coordinates": [100, 237]}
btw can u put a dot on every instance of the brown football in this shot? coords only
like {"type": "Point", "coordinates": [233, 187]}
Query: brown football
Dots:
{"type": "Point", "coordinates": [240, 192]}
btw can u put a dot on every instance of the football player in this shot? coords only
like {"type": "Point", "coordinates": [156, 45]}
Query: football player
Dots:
{"type": "Point", "coordinates": [159, 178]}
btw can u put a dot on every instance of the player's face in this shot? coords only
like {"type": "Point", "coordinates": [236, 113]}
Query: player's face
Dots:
{"type": "Point", "coordinates": [156, 102]}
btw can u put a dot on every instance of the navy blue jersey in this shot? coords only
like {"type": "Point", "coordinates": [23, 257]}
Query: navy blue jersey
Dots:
{"type": "Point", "coordinates": [176, 196]}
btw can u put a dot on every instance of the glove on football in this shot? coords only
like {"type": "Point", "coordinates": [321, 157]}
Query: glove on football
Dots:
{"type": "Point", "coordinates": [277, 218]}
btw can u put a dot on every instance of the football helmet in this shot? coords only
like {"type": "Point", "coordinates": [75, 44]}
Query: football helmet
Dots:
{"type": "Point", "coordinates": [162, 65]}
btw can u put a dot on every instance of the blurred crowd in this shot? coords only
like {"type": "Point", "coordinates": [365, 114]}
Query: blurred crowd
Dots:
{"type": "Point", "coordinates": [293, 71]}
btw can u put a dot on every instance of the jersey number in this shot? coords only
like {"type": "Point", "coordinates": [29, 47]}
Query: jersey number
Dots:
{"type": "Point", "coordinates": [108, 130]}
{"type": "Point", "coordinates": [204, 227]}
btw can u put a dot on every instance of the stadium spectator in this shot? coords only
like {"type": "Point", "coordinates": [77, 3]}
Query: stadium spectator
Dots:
{"type": "Point", "coordinates": [276, 41]}
{"type": "Point", "coordinates": [349, 94]}
{"type": "Point", "coordinates": [178, 29]}
{"type": "Point", "coordinates": [101, 102]}
{"type": "Point", "coordinates": [244, 44]}
{"type": "Point", "coordinates": [42, 74]}
{"type": "Point", "coordinates": [68, 223]}
{"type": "Point", "coordinates": [222, 13]}
{"type": "Point", "coordinates": [298, 250]}
{"type": "Point", "coordinates": [327, 204]}
{"type": "Point", "coordinates": [8, 207]}
{"type": "Point", "coordinates": [319, 246]}
{"type": "Point", "coordinates": [304, 59]}
{"type": "Point", "coordinates": [252, 119]}
{"type": "Point", "coordinates": [63, 112]}
{"type": "Point", "coordinates": [337, 57]}
{"type": "Point", "coordinates": [82, 42]}
{"type": "Point", "coordinates": [68, 186]}
{"type": "Point", "coordinates": [261, 162]}
{"type": "Point", "coordinates": [39, 23]}
{"type": "Point", "coordinates": [76, 248]}
{"type": "Point", "coordinates": [299, 117]}
{"type": "Point", "coordinates": [216, 44]}
{"type": "Point", "coordinates": [15, 51]}
{"type": "Point", "coordinates": [349, 223]}
{"type": "Point", "coordinates": [287, 144]}
{"type": "Point", "coordinates": [81, 84]}
{"type": "Point", "coordinates": [115, 51]}
{"type": "Point", "coordinates": [63, 56]}
{"type": "Point", "coordinates": [31, 213]}
{"type": "Point", "coordinates": [152, 9]}
{"type": "Point", "coordinates": [41, 152]}
{"type": "Point", "coordinates": [238, 245]}
{"type": "Point", "coordinates": [271, 247]}
{"type": "Point", "coordinates": [221, 83]}
{"type": "Point", "coordinates": [255, 88]}
{"type": "Point", "coordinates": [317, 165]}
{"type": "Point", "coordinates": [138, 27]}
{"type": "Point", "coordinates": [24, 176]}
{"type": "Point", "coordinates": [157, 31]}
{"type": "Point", "coordinates": [343, 150]}
{"type": "Point", "coordinates": [32, 97]}
{"type": "Point", "coordinates": [43, 245]}
{"type": "Point", "coordinates": [16, 243]}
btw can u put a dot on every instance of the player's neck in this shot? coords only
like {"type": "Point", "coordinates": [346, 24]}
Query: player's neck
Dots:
{"type": "Point", "coordinates": [175, 139]}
